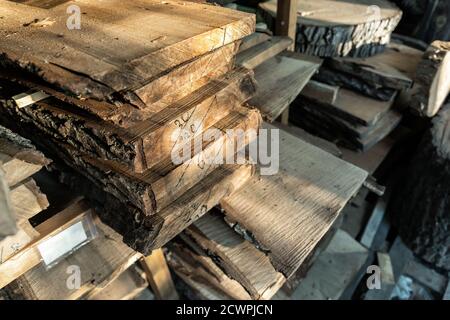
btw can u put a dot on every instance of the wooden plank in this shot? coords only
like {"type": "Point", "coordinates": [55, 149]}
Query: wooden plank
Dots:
{"type": "Point", "coordinates": [29, 257]}
{"type": "Point", "coordinates": [290, 211]}
{"type": "Point", "coordinates": [237, 257]}
{"type": "Point", "coordinates": [311, 139]}
{"type": "Point", "coordinates": [7, 219]}
{"type": "Point", "coordinates": [432, 81]}
{"type": "Point", "coordinates": [197, 201]}
{"type": "Point", "coordinates": [202, 275]}
{"type": "Point", "coordinates": [285, 75]}
{"type": "Point", "coordinates": [320, 92]}
{"type": "Point", "coordinates": [286, 21]}
{"type": "Point", "coordinates": [127, 286]}
{"type": "Point", "coordinates": [387, 279]}
{"type": "Point", "coordinates": [100, 59]}
{"type": "Point", "coordinates": [426, 276]}
{"type": "Point", "coordinates": [254, 56]}
{"type": "Point", "coordinates": [28, 200]}
{"type": "Point", "coordinates": [18, 157]}
{"type": "Point", "coordinates": [155, 189]}
{"type": "Point", "coordinates": [253, 40]}
{"type": "Point", "coordinates": [336, 27]}
{"type": "Point", "coordinates": [158, 275]}
{"type": "Point", "coordinates": [368, 236]}
{"type": "Point", "coordinates": [347, 133]}
{"type": "Point", "coordinates": [335, 268]}
{"type": "Point", "coordinates": [100, 262]}
{"type": "Point", "coordinates": [379, 76]}
{"type": "Point", "coordinates": [146, 141]}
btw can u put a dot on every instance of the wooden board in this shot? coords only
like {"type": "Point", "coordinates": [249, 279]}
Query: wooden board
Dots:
{"type": "Point", "coordinates": [351, 135]}
{"type": "Point", "coordinates": [341, 27]}
{"type": "Point", "coordinates": [147, 141]}
{"type": "Point", "coordinates": [290, 211]}
{"type": "Point", "coordinates": [253, 40]}
{"type": "Point", "coordinates": [7, 219]}
{"type": "Point", "coordinates": [109, 55]}
{"type": "Point", "coordinates": [254, 56]}
{"type": "Point", "coordinates": [155, 189]}
{"type": "Point", "coordinates": [28, 200]}
{"type": "Point", "coordinates": [336, 267]}
{"type": "Point", "coordinates": [29, 257]}
{"type": "Point", "coordinates": [432, 84]}
{"type": "Point", "coordinates": [280, 79]}
{"type": "Point", "coordinates": [355, 107]}
{"type": "Point", "coordinates": [18, 157]}
{"type": "Point", "coordinates": [379, 76]}
{"type": "Point", "coordinates": [158, 275]}
{"type": "Point", "coordinates": [320, 92]}
{"type": "Point", "coordinates": [100, 262]}
{"type": "Point", "coordinates": [236, 256]}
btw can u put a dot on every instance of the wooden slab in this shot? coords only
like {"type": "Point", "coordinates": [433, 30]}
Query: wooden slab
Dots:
{"type": "Point", "coordinates": [145, 143]}
{"type": "Point", "coordinates": [202, 275]}
{"type": "Point", "coordinates": [7, 219]}
{"type": "Point", "coordinates": [29, 257]}
{"type": "Point", "coordinates": [237, 257]}
{"type": "Point", "coordinates": [18, 157]}
{"type": "Point", "coordinates": [127, 286]}
{"type": "Point", "coordinates": [28, 200]}
{"type": "Point", "coordinates": [290, 211]}
{"type": "Point", "coordinates": [432, 84]}
{"type": "Point", "coordinates": [333, 270]}
{"type": "Point", "coordinates": [341, 27]}
{"type": "Point", "coordinates": [355, 107]}
{"type": "Point", "coordinates": [352, 135]}
{"type": "Point", "coordinates": [101, 58]}
{"type": "Point", "coordinates": [280, 79]}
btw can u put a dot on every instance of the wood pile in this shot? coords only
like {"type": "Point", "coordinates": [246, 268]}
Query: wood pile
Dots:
{"type": "Point", "coordinates": [354, 101]}
{"type": "Point", "coordinates": [112, 110]}
{"type": "Point", "coordinates": [269, 227]}
{"type": "Point", "coordinates": [335, 28]}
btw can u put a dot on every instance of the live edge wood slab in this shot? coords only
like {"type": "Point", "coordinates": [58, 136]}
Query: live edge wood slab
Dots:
{"type": "Point", "coordinates": [329, 28]}
{"type": "Point", "coordinates": [289, 212]}
{"type": "Point", "coordinates": [143, 141]}
{"type": "Point", "coordinates": [120, 49]}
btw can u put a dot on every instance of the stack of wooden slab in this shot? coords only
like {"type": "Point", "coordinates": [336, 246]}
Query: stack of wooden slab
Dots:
{"type": "Point", "coordinates": [267, 229]}
{"type": "Point", "coordinates": [334, 28]}
{"type": "Point", "coordinates": [352, 100]}
{"type": "Point", "coordinates": [113, 101]}
{"type": "Point", "coordinates": [20, 197]}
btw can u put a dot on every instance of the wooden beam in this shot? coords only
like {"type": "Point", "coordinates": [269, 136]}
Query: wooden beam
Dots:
{"type": "Point", "coordinates": [158, 275]}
